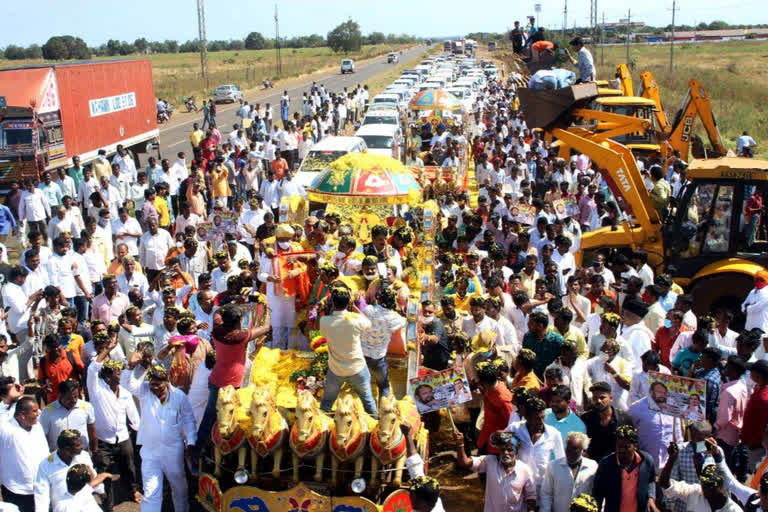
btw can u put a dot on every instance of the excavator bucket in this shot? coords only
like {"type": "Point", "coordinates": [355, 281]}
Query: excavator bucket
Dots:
{"type": "Point", "coordinates": [548, 108]}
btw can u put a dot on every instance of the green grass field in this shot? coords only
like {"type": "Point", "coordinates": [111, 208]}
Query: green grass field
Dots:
{"type": "Point", "coordinates": [735, 73]}
{"type": "Point", "coordinates": [177, 75]}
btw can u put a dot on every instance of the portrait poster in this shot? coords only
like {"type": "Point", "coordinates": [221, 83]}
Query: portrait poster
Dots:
{"type": "Point", "coordinates": [523, 213]}
{"type": "Point", "coordinates": [572, 207]}
{"type": "Point", "coordinates": [677, 396]}
{"type": "Point", "coordinates": [439, 390]}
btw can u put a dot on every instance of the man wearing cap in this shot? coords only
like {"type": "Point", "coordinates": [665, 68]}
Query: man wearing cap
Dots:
{"type": "Point", "coordinates": [286, 280]}
{"type": "Point", "coordinates": [638, 337]}
{"type": "Point", "coordinates": [50, 481]}
{"type": "Point", "coordinates": [167, 432]}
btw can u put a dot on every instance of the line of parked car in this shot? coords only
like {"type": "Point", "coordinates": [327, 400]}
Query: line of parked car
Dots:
{"type": "Point", "coordinates": [381, 131]}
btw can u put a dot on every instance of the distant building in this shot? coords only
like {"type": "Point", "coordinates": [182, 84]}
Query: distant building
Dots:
{"type": "Point", "coordinates": [734, 34]}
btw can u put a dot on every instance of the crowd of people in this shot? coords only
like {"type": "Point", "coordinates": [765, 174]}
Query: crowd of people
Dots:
{"type": "Point", "coordinates": [131, 322]}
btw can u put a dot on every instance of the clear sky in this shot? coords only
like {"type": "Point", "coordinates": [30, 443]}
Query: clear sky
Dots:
{"type": "Point", "coordinates": [96, 21]}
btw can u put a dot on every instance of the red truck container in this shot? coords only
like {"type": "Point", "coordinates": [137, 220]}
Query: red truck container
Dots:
{"type": "Point", "coordinates": [50, 113]}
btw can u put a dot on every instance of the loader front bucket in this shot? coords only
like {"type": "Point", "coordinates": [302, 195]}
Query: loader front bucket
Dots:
{"type": "Point", "coordinates": [548, 108]}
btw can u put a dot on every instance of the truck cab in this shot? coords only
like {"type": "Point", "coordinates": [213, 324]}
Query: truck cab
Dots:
{"type": "Point", "coordinates": [28, 146]}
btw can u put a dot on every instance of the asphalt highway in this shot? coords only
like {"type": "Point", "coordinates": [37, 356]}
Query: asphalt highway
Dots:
{"type": "Point", "coordinates": [174, 135]}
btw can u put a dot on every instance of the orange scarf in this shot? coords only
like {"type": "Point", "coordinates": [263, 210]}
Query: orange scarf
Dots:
{"type": "Point", "coordinates": [294, 277]}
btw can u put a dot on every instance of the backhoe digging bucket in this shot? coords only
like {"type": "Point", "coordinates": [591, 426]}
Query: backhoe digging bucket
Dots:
{"type": "Point", "coordinates": [547, 108]}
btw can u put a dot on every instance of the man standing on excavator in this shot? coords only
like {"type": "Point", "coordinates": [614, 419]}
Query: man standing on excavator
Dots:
{"type": "Point", "coordinates": [584, 61]}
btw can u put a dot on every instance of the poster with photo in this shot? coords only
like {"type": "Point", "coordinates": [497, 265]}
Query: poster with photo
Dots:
{"type": "Point", "coordinates": [560, 208]}
{"type": "Point", "coordinates": [439, 390]}
{"type": "Point", "coordinates": [572, 207]}
{"type": "Point", "coordinates": [206, 233]}
{"type": "Point", "coordinates": [523, 213]}
{"type": "Point", "coordinates": [677, 396]}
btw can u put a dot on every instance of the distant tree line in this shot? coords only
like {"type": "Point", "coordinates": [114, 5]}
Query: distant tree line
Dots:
{"type": "Point", "coordinates": [344, 38]}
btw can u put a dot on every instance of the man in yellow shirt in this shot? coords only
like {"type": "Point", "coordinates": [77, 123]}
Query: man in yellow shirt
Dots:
{"type": "Point", "coordinates": [161, 205]}
{"type": "Point", "coordinates": [196, 136]}
{"type": "Point", "coordinates": [220, 191]}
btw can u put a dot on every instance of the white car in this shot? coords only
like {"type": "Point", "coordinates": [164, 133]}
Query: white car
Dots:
{"type": "Point", "coordinates": [380, 139]}
{"type": "Point", "coordinates": [230, 93]}
{"type": "Point", "coordinates": [386, 98]}
{"type": "Point", "coordinates": [381, 117]}
{"type": "Point", "coordinates": [347, 66]}
{"type": "Point", "coordinates": [323, 153]}
{"type": "Point", "coordinates": [393, 57]}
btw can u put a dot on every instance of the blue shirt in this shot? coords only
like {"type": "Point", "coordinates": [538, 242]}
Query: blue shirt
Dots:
{"type": "Point", "coordinates": [685, 359]}
{"type": "Point", "coordinates": [52, 193]}
{"type": "Point", "coordinates": [570, 423]}
{"type": "Point", "coordinates": [714, 382]}
{"type": "Point", "coordinates": [7, 220]}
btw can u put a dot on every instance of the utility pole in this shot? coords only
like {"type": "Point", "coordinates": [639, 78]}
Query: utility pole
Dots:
{"type": "Point", "coordinates": [203, 41]}
{"type": "Point", "coordinates": [278, 59]}
{"type": "Point", "coordinates": [565, 16]}
{"type": "Point", "coordinates": [602, 42]}
{"type": "Point", "coordinates": [629, 24]}
{"type": "Point", "coordinates": [672, 39]}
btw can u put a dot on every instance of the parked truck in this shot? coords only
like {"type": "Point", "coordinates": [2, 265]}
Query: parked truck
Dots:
{"type": "Point", "coordinates": [50, 113]}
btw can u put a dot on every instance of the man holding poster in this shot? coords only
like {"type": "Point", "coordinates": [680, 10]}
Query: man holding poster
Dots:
{"type": "Point", "coordinates": [655, 427]}
{"type": "Point", "coordinates": [677, 396]}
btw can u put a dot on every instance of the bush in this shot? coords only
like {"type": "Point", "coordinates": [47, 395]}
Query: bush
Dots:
{"type": "Point", "coordinates": [14, 52]}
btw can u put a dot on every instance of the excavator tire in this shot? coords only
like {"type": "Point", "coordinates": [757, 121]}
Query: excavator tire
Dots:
{"type": "Point", "coordinates": [727, 290]}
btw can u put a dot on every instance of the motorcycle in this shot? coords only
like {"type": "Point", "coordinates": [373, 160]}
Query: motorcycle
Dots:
{"type": "Point", "coordinates": [268, 83]}
{"type": "Point", "coordinates": [189, 103]}
{"type": "Point", "coordinates": [165, 114]}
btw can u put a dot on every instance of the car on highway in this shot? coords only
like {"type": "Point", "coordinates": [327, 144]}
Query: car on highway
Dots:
{"type": "Point", "coordinates": [392, 99]}
{"type": "Point", "coordinates": [229, 92]}
{"type": "Point", "coordinates": [464, 96]}
{"type": "Point", "coordinates": [393, 58]}
{"type": "Point", "coordinates": [347, 66]}
{"type": "Point", "coordinates": [381, 117]}
{"type": "Point", "coordinates": [380, 139]}
{"type": "Point", "coordinates": [323, 153]}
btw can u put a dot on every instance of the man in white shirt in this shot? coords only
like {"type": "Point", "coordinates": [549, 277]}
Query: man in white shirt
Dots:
{"type": "Point", "coordinates": [223, 271]}
{"type": "Point", "coordinates": [640, 384]}
{"type": "Point", "coordinates": [249, 222]}
{"type": "Point", "coordinates": [567, 477]}
{"type": "Point", "coordinates": [121, 182]}
{"type": "Point", "coordinates": [34, 208]}
{"type": "Point", "coordinates": [126, 230]}
{"type": "Point", "coordinates": [22, 448]}
{"type": "Point", "coordinates": [80, 489]}
{"type": "Point", "coordinates": [194, 259]}
{"type": "Point", "coordinates": [126, 162]}
{"type": "Point", "coordinates": [113, 407]}
{"type": "Point", "coordinates": [37, 277]}
{"type": "Point", "coordinates": [478, 321]}
{"type": "Point", "coordinates": [69, 412]}
{"type": "Point", "coordinates": [187, 218]}
{"type": "Point", "coordinates": [155, 245]}
{"type": "Point", "coordinates": [744, 144]}
{"type": "Point", "coordinates": [51, 480]}
{"type": "Point", "coordinates": [64, 271]}
{"type": "Point", "coordinates": [131, 279]}
{"type": "Point", "coordinates": [168, 432]}
{"type": "Point", "coordinates": [60, 224]}
{"type": "Point", "coordinates": [17, 303]}
{"type": "Point", "coordinates": [638, 337]}
{"type": "Point", "coordinates": [548, 446]}
{"type": "Point", "coordinates": [88, 186]}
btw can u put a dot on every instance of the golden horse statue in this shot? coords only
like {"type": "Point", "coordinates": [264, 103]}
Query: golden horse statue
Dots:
{"type": "Point", "coordinates": [268, 430]}
{"type": "Point", "coordinates": [227, 436]}
{"type": "Point", "coordinates": [386, 441]}
{"type": "Point", "coordinates": [349, 434]}
{"type": "Point", "coordinates": [309, 434]}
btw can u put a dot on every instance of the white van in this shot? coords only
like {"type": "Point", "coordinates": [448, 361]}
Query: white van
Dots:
{"type": "Point", "coordinates": [323, 153]}
{"type": "Point", "coordinates": [380, 139]}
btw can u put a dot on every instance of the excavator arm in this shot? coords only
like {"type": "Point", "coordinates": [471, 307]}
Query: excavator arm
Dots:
{"type": "Point", "coordinates": [617, 162]}
{"type": "Point", "coordinates": [610, 125]}
{"type": "Point", "coordinates": [696, 103]}
{"type": "Point", "coordinates": [650, 89]}
{"type": "Point", "coordinates": [625, 80]}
